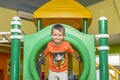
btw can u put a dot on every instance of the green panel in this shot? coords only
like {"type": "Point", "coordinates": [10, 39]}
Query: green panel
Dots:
{"type": "Point", "coordinates": [114, 48]}
{"type": "Point", "coordinates": [82, 43]}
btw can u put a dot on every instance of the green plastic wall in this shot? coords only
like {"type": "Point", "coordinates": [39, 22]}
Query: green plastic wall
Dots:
{"type": "Point", "coordinates": [82, 43]}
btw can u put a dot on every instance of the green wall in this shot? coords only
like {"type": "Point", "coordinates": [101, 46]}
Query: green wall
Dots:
{"type": "Point", "coordinates": [114, 48]}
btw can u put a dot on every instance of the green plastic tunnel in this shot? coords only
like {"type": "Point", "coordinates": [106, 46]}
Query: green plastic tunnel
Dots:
{"type": "Point", "coordinates": [82, 43]}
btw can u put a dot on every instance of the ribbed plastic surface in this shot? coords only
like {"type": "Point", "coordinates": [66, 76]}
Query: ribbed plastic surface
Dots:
{"type": "Point", "coordinates": [62, 9]}
{"type": "Point", "coordinates": [68, 12]}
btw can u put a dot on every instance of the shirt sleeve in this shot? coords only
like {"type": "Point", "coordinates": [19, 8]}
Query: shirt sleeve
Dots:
{"type": "Point", "coordinates": [47, 51]}
{"type": "Point", "coordinates": [70, 49]}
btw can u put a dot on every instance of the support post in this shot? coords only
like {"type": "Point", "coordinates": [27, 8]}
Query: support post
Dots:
{"type": "Point", "coordinates": [38, 24]}
{"type": "Point", "coordinates": [85, 24]}
{"type": "Point", "coordinates": [103, 48]}
{"type": "Point", "coordinates": [15, 49]}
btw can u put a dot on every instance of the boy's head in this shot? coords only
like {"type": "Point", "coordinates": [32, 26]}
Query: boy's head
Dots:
{"type": "Point", "coordinates": [57, 33]}
{"type": "Point", "coordinates": [59, 28]}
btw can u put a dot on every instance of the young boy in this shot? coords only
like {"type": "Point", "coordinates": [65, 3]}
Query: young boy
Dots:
{"type": "Point", "coordinates": [58, 50]}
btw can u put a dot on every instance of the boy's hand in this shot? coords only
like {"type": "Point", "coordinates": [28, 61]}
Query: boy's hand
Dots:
{"type": "Point", "coordinates": [80, 60]}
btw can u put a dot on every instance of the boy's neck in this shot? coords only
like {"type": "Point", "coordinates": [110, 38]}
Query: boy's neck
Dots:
{"type": "Point", "coordinates": [57, 44]}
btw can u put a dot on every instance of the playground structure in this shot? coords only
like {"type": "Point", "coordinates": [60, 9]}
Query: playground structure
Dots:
{"type": "Point", "coordinates": [41, 40]}
{"type": "Point", "coordinates": [44, 20]}
{"type": "Point", "coordinates": [82, 42]}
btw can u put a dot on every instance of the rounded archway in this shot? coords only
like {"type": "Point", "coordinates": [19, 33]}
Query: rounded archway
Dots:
{"type": "Point", "coordinates": [76, 42]}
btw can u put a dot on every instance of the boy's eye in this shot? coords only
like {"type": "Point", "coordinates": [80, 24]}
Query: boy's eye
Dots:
{"type": "Point", "coordinates": [54, 34]}
{"type": "Point", "coordinates": [59, 35]}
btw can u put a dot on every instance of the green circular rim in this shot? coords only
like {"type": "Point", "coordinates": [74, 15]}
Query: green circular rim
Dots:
{"type": "Point", "coordinates": [81, 49]}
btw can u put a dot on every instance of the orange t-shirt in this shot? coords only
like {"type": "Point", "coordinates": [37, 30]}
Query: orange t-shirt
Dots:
{"type": "Point", "coordinates": [58, 56]}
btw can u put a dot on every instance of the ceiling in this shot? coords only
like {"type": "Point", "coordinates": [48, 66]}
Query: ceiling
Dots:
{"type": "Point", "coordinates": [30, 6]}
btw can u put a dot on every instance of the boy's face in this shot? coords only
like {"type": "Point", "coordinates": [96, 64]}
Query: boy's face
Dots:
{"type": "Point", "coordinates": [57, 36]}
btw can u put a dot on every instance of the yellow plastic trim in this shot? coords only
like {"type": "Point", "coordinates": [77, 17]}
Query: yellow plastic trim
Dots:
{"type": "Point", "coordinates": [62, 9]}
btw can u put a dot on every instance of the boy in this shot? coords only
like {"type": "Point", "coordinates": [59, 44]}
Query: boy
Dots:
{"type": "Point", "coordinates": [58, 50]}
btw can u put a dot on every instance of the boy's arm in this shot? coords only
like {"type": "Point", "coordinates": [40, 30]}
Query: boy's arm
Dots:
{"type": "Point", "coordinates": [41, 57]}
{"type": "Point", "coordinates": [76, 57]}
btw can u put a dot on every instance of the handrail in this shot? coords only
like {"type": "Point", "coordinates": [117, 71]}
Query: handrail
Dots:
{"type": "Point", "coordinates": [116, 72]}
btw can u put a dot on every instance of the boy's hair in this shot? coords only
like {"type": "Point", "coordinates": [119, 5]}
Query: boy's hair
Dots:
{"type": "Point", "coordinates": [58, 27]}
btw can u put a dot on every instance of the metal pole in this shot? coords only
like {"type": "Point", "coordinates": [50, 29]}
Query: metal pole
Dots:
{"type": "Point", "coordinates": [42, 62]}
{"type": "Point", "coordinates": [85, 24]}
{"type": "Point", "coordinates": [38, 24]}
{"type": "Point", "coordinates": [103, 48]}
{"type": "Point", "coordinates": [15, 49]}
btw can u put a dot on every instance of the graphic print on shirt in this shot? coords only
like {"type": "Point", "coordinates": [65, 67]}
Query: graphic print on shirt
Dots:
{"type": "Point", "coordinates": [58, 59]}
